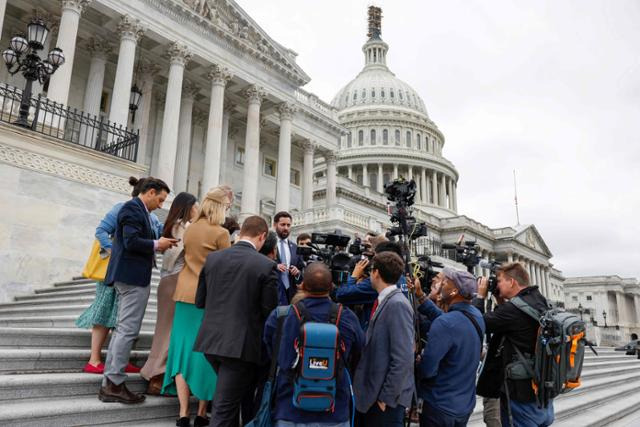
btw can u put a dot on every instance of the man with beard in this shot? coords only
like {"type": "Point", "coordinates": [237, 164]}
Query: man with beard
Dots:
{"type": "Point", "coordinates": [290, 265]}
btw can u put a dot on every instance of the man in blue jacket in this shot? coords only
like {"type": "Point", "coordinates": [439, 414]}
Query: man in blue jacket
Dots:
{"type": "Point", "coordinates": [384, 382]}
{"type": "Point", "coordinates": [447, 369]}
{"type": "Point", "coordinates": [129, 270]}
{"type": "Point", "coordinates": [316, 285]}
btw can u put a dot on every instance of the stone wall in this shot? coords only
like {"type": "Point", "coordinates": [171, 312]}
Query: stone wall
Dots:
{"type": "Point", "coordinates": [53, 196]}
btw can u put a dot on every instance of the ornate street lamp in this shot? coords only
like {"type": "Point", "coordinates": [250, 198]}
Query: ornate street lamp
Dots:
{"type": "Point", "coordinates": [604, 315]}
{"type": "Point", "coordinates": [581, 310]}
{"type": "Point", "coordinates": [22, 56]}
{"type": "Point", "coordinates": [134, 101]}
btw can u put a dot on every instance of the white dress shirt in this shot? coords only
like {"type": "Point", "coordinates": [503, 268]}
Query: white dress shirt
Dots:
{"type": "Point", "coordinates": [386, 291]}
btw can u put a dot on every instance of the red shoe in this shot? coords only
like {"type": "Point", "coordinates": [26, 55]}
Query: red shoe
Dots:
{"type": "Point", "coordinates": [131, 369]}
{"type": "Point", "coordinates": [90, 369]}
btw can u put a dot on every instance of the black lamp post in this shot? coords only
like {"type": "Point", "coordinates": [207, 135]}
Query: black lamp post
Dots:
{"type": "Point", "coordinates": [581, 310]}
{"type": "Point", "coordinates": [604, 315]}
{"type": "Point", "coordinates": [22, 56]}
{"type": "Point", "coordinates": [134, 101]}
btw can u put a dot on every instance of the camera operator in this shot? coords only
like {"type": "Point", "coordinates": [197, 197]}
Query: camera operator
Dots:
{"type": "Point", "coordinates": [290, 265]}
{"type": "Point", "coordinates": [512, 327]}
{"type": "Point", "coordinates": [303, 239]}
{"type": "Point", "coordinates": [447, 368]}
{"type": "Point", "coordinates": [359, 291]}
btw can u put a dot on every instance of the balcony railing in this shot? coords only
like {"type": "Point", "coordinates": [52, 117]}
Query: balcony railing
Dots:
{"type": "Point", "coordinates": [70, 125]}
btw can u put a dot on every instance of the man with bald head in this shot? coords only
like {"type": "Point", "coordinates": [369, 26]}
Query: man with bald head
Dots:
{"type": "Point", "coordinates": [316, 285]}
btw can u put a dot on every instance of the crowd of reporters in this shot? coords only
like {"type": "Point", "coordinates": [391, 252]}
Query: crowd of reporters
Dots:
{"type": "Point", "coordinates": [413, 355]}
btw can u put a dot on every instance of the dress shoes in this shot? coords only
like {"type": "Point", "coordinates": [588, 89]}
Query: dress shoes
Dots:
{"type": "Point", "coordinates": [118, 393]}
{"type": "Point", "coordinates": [200, 421]}
{"type": "Point", "coordinates": [91, 369]}
{"type": "Point", "coordinates": [183, 422]}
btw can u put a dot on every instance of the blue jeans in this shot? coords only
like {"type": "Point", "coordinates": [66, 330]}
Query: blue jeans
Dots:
{"type": "Point", "coordinates": [433, 417]}
{"type": "Point", "coordinates": [526, 414]}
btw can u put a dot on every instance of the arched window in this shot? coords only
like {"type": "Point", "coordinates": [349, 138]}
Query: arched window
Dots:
{"type": "Point", "coordinates": [349, 142]}
{"type": "Point", "coordinates": [397, 136]}
{"type": "Point", "coordinates": [360, 137]}
{"type": "Point", "coordinates": [364, 93]}
{"type": "Point", "coordinates": [385, 137]}
{"type": "Point", "coordinates": [355, 95]}
{"type": "Point", "coordinates": [391, 93]}
{"type": "Point", "coordinates": [408, 139]}
{"type": "Point", "coordinates": [400, 94]}
{"type": "Point", "coordinates": [346, 99]}
{"type": "Point", "coordinates": [373, 93]}
{"type": "Point", "coordinates": [373, 137]}
{"type": "Point", "coordinates": [418, 142]}
{"type": "Point", "coordinates": [382, 93]}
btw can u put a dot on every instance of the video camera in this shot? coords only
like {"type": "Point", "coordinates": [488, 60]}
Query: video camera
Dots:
{"type": "Point", "coordinates": [402, 193]}
{"type": "Point", "coordinates": [493, 278]}
{"type": "Point", "coordinates": [466, 253]}
{"type": "Point", "coordinates": [426, 271]}
{"type": "Point", "coordinates": [329, 248]}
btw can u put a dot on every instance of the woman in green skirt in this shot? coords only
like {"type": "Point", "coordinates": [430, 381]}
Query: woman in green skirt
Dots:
{"type": "Point", "coordinates": [188, 371]}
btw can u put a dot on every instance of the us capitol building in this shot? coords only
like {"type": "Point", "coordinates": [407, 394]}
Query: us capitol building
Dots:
{"type": "Point", "coordinates": [195, 92]}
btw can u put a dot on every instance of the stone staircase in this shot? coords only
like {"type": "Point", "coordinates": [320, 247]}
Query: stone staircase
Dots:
{"type": "Point", "coordinates": [42, 354]}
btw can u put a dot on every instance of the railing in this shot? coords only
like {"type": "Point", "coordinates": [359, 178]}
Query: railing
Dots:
{"type": "Point", "coordinates": [315, 103]}
{"type": "Point", "coordinates": [427, 246]}
{"type": "Point", "coordinates": [70, 125]}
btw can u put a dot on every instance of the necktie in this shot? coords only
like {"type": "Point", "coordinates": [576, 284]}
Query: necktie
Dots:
{"type": "Point", "coordinates": [374, 308]}
{"type": "Point", "coordinates": [283, 260]}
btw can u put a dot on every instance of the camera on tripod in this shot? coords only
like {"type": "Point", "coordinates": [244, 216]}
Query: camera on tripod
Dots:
{"type": "Point", "coordinates": [329, 248]}
{"type": "Point", "coordinates": [426, 272]}
{"type": "Point", "coordinates": [492, 266]}
{"type": "Point", "coordinates": [402, 193]}
{"type": "Point", "coordinates": [466, 253]}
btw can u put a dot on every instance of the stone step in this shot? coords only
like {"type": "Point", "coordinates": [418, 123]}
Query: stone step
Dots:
{"type": "Point", "coordinates": [632, 416]}
{"type": "Point", "coordinates": [58, 338]}
{"type": "Point", "coordinates": [595, 408]}
{"type": "Point", "coordinates": [74, 282]}
{"type": "Point", "coordinates": [56, 299]}
{"type": "Point", "coordinates": [61, 321]}
{"type": "Point", "coordinates": [38, 360]}
{"type": "Point", "coordinates": [55, 310]}
{"type": "Point", "coordinates": [85, 411]}
{"type": "Point", "coordinates": [91, 287]}
{"type": "Point", "coordinates": [58, 293]}
{"type": "Point", "coordinates": [595, 365]}
{"type": "Point", "coordinates": [33, 386]}
{"type": "Point", "coordinates": [591, 391]}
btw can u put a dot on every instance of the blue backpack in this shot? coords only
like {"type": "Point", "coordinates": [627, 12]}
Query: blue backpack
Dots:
{"type": "Point", "coordinates": [319, 360]}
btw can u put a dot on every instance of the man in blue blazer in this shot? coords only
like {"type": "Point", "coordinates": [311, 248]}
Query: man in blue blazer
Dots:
{"type": "Point", "coordinates": [290, 265]}
{"type": "Point", "coordinates": [129, 270]}
{"type": "Point", "coordinates": [384, 383]}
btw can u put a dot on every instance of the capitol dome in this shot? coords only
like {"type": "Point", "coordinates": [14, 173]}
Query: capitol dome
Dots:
{"type": "Point", "coordinates": [389, 133]}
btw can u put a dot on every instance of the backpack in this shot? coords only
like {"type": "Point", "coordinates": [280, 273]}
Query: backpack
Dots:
{"type": "Point", "coordinates": [556, 365]}
{"type": "Point", "coordinates": [319, 360]}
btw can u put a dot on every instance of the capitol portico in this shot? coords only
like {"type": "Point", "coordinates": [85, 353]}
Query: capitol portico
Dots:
{"type": "Point", "coordinates": [221, 102]}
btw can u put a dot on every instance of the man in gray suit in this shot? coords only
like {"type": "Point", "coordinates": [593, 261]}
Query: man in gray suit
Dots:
{"type": "Point", "coordinates": [384, 382]}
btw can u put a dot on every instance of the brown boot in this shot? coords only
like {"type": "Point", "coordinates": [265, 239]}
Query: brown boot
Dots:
{"type": "Point", "coordinates": [155, 385]}
{"type": "Point", "coordinates": [118, 393]}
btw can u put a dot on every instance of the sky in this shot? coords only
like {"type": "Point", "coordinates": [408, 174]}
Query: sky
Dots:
{"type": "Point", "coordinates": [550, 89]}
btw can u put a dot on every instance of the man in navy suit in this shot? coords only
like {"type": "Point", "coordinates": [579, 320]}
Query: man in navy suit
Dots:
{"type": "Point", "coordinates": [129, 270]}
{"type": "Point", "coordinates": [290, 265]}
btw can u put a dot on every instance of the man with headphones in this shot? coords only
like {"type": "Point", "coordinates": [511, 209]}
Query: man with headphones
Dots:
{"type": "Point", "coordinates": [447, 368]}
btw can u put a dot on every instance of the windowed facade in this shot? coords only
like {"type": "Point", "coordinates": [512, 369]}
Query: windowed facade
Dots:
{"type": "Point", "coordinates": [373, 93]}
{"type": "Point", "coordinates": [391, 94]}
{"type": "Point", "coordinates": [408, 139]}
{"type": "Point", "coordinates": [294, 176]}
{"type": "Point", "coordinates": [239, 156]}
{"type": "Point", "coordinates": [269, 168]}
{"type": "Point", "coordinates": [397, 137]}
{"type": "Point", "coordinates": [373, 137]}
{"type": "Point", "coordinates": [385, 137]}
{"type": "Point", "coordinates": [349, 140]}
{"type": "Point", "coordinates": [418, 142]}
{"type": "Point", "coordinates": [360, 137]}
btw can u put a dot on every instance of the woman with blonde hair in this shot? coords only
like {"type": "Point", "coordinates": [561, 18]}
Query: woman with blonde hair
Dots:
{"type": "Point", "coordinates": [188, 371]}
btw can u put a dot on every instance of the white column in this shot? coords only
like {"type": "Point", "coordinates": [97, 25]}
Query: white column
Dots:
{"type": "Point", "coordinates": [148, 71]}
{"type": "Point", "coordinates": [251, 172]}
{"type": "Point", "coordinates": [229, 108]}
{"type": "Point", "coordinates": [160, 100]}
{"type": "Point", "coordinates": [509, 257]}
{"type": "Point", "coordinates": [455, 196]}
{"type": "Point", "coordinates": [283, 179]}
{"type": "Point", "coordinates": [622, 309]}
{"type": "Point", "coordinates": [179, 55]}
{"type": "Point", "coordinates": [350, 172]}
{"type": "Point", "coordinates": [69, 21]}
{"type": "Point", "coordinates": [98, 49]}
{"type": "Point", "coordinates": [434, 187]}
{"type": "Point", "coordinates": [307, 173]}
{"type": "Point", "coordinates": [196, 156]}
{"type": "Point", "coordinates": [395, 171]}
{"type": "Point", "coordinates": [443, 191]}
{"type": "Point", "coordinates": [130, 32]}
{"type": "Point", "coordinates": [365, 175]}
{"type": "Point", "coordinates": [450, 190]}
{"type": "Point", "coordinates": [219, 77]}
{"type": "Point", "coordinates": [380, 180]}
{"type": "Point", "coordinates": [331, 160]}
{"type": "Point", "coordinates": [423, 181]}
{"type": "Point", "coordinates": [189, 92]}
{"type": "Point", "coordinates": [3, 8]}
{"type": "Point", "coordinates": [409, 173]}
